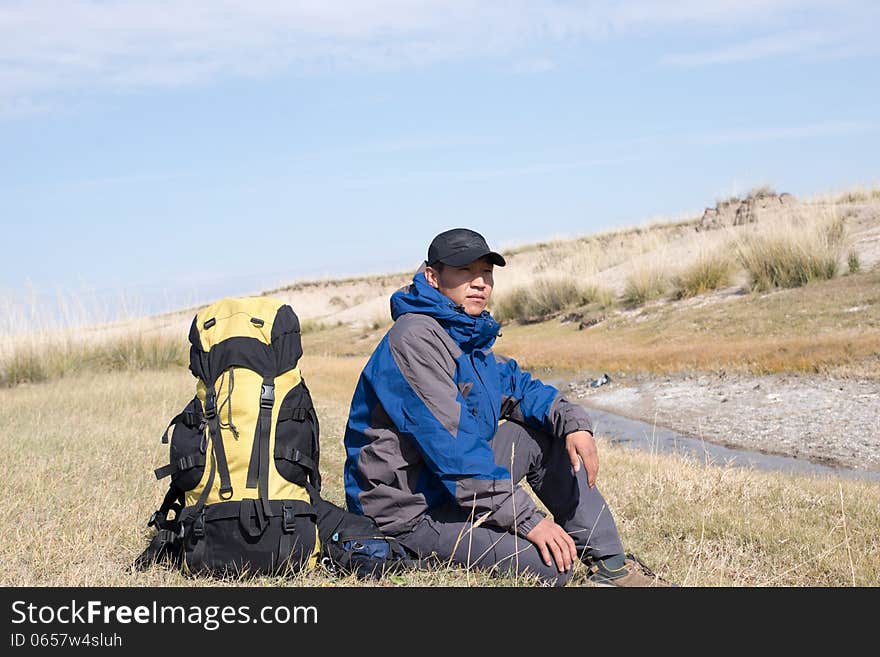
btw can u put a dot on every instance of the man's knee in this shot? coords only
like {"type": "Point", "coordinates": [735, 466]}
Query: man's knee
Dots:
{"type": "Point", "coordinates": [518, 448]}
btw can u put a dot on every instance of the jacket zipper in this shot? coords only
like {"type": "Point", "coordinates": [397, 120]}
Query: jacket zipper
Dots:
{"type": "Point", "coordinates": [486, 394]}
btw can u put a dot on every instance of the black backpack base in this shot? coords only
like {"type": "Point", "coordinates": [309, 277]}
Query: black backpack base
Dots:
{"type": "Point", "coordinates": [214, 541]}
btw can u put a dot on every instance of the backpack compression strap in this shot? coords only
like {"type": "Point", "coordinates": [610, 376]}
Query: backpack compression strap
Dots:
{"type": "Point", "coordinates": [192, 419]}
{"type": "Point", "coordinates": [188, 515]}
{"type": "Point", "coordinates": [217, 443]}
{"type": "Point", "coordinates": [187, 462]}
{"type": "Point", "coordinates": [258, 468]}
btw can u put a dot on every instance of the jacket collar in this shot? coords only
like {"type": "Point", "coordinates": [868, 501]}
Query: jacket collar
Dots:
{"type": "Point", "coordinates": [468, 332]}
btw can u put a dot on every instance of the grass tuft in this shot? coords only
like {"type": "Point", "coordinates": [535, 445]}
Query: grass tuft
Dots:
{"type": "Point", "coordinates": [24, 366]}
{"type": "Point", "coordinates": [307, 326]}
{"type": "Point", "coordinates": [762, 191]}
{"type": "Point", "coordinates": [793, 253]}
{"type": "Point", "coordinates": [710, 271]}
{"type": "Point", "coordinates": [40, 361]}
{"type": "Point", "coordinates": [645, 284]}
{"type": "Point", "coordinates": [547, 297]}
{"type": "Point", "coordinates": [853, 262]}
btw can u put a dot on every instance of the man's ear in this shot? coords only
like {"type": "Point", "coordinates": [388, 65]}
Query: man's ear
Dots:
{"type": "Point", "coordinates": [432, 277]}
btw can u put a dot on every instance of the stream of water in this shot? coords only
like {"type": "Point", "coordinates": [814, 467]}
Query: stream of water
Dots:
{"type": "Point", "coordinates": [622, 430]}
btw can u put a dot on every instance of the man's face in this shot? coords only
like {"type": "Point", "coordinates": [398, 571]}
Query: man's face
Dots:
{"type": "Point", "coordinates": [469, 286]}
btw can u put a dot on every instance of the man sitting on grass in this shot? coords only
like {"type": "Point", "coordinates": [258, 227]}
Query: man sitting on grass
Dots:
{"type": "Point", "coordinates": [429, 461]}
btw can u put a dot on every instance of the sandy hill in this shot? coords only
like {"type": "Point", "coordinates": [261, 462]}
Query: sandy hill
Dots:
{"type": "Point", "coordinates": [607, 260]}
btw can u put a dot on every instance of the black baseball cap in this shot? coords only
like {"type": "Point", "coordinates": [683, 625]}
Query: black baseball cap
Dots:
{"type": "Point", "coordinates": [461, 246]}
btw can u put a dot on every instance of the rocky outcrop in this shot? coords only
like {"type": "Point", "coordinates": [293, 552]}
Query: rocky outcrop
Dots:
{"type": "Point", "coordinates": [737, 212]}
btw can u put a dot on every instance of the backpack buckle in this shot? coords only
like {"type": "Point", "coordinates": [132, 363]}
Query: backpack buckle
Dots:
{"type": "Point", "coordinates": [166, 536]}
{"type": "Point", "coordinates": [199, 525]}
{"type": "Point", "coordinates": [267, 395]}
{"type": "Point", "coordinates": [210, 405]}
{"type": "Point", "coordinates": [288, 519]}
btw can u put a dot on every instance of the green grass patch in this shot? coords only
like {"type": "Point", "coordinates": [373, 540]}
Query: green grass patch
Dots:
{"type": "Point", "coordinates": [829, 327]}
{"type": "Point", "coordinates": [547, 297]}
{"type": "Point", "coordinates": [645, 284]}
{"type": "Point", "coordinates": [792, 254]}
{"type": "Point", "coordinates": [709, 272]}
{"type": "Point", "coordinates": [853, 262]}
{"type": "Point", "coordinates": [39, 361]}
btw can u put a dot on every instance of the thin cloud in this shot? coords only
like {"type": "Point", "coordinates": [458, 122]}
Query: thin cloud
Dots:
{"type": "Point", "coordinates": [47, 47]}
{"type": "Point", "coordinates": [806, 131]}
{"type": "Point", "coordinates": [540, 169]}
{"type": "Point", "coordinates": [20, 107]}
{"type": "Point", "coordinates": [408, 144]}
{"type": "Point", "coordinates": [489, 173]}
{"type": "Point", "coordinates": [776, 45]}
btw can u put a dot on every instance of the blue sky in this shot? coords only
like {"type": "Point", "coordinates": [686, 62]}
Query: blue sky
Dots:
{"type": "Point", "coordinates": [160, 153]}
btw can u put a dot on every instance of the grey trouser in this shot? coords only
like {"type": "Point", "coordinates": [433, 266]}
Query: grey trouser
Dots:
{"type": "Point", "coordinates": [542, 460]}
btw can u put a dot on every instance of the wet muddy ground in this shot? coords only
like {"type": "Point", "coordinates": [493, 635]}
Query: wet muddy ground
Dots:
{"type": "Point", "coordinates": [821, 419]}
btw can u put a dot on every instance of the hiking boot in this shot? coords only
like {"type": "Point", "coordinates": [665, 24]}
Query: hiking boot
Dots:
{"type": "Point", "coordinates": [634, 572]}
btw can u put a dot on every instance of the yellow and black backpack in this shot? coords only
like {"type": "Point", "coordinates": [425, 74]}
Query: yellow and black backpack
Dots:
{"type": "Point", "coordinates": [244, 463]}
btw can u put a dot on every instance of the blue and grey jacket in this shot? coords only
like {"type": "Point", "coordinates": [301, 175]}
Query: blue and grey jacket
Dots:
{"type": "Point", "coordinates": [425, 409]}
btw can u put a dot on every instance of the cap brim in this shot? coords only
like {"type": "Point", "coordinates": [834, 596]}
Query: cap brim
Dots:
{"type": "Point", "coordinates": [467, 257]}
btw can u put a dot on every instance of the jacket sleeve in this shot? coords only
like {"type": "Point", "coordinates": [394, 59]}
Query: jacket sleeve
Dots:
{"type": "Point", "coordinates": [537, 404]}
{"type": "Point", "coordinates": [416, 387]}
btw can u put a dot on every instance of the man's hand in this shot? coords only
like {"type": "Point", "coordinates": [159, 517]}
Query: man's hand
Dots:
{"type": "Point", "coordinates": [581, 446]}
{"type": "Point", "coordinates": [550, 538]}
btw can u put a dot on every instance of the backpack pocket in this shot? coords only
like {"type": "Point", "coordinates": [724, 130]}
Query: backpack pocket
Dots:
{"type": "Point", "coordinates": [296, 438]}
{"type": "Point", "coordinates": [235, 538]}
{"type": "Point", "coordinates": [353, 544]}
{"type": "Point", "coordinates": [188, 444]}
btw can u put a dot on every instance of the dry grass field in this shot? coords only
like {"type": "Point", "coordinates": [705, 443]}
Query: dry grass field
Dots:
{"type": "Point", "coordinates": [79, 489]}
{"type": "Point", "coordinates": [81, 411]}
